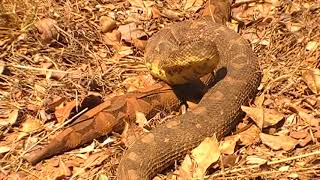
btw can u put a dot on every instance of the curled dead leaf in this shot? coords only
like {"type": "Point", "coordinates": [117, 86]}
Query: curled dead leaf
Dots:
{"type": "Point", "coordinates": [138, 82]}
{"type": "Point", "coordinates": [278, 142]}
{"type": "Point", "coordinates": [113, 39]}
{"type": "Point", "coordinates": [130, 31]}
{"type": "Point", "coordinates": [228, 145]}
{"type": "Point", "coordinates": [4, 149]}
{"type": "Point", "coordinates": [312, 78]}
{"type": "Point", "coordinates": [11, 118]}
{"type": "Point", "coordinates": [31, 125]}
{"type": "Point", "coordinates": [250, 136]}
{"type": "Point", "coordinates": [263, 117]}
{"type": "Point", "coordinates": [312, 45]}
{"type": "Point", "coordinates": [141, 119]}
{"type": "Point", "coordinates": [137, 3]}
{"type": "Point", "coordinates": [63, 112]}
{"type": "Point", "coordinates": [201, 158]}
{"type": "Point", "coordinates": [193, 5]}
{"type": "Point", "coordinates": [47, 28]}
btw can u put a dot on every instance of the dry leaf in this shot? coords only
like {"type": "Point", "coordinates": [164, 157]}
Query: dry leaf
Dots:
{"type": "Point", "coordinates": [88, 149]}
{"type": "Point", "coordinates": [305, 141]}
{"type": "Point", "coordinates": [131, 31]}
{"type": "Point", "coordinates": [124, 51]}
{"type": "Point", "coordinates": [263, 117]}
{"type": "Point", "coordinates": [103, 177]}
{"type": "Point", "coordinates": [96, 159]}
{"type": "Point", "coordinates": [47, 29]}
{"type": "Point", "coordinates": [312, 46]}
{"type": "Point", "coordinates": [278, 142]}
{"type": "Point", "coordinates": [141, 119]}
{"type": "Point", "coordinates": [40, 89]}
{"type": "Point", "coordinates": [138, 82]}
{"type": "Point", "coordinates": [189, 4]}
{"type": "Point", "coordinates": [113, 39]}
{"type": "Point", "coordinates": [155, 13]}
{"type": "Point", "coordinates": [202, 157]}
{"type": "Point", "coordinates": [137, 3]}
{"type": "Point", "coordinates": [170, 14]}
{"type": "Point", "coordinates": [228, 145]}
{"type": "Point", "coordinates": [64, 171]}
{"type": "Point", "coordinates": [193, 5]}
{"type": "Point", "coordinates": [63, 112]}
{"type": "Point", "coordinates": [284, 168]}
{"type": "Point", "coordinates": [4, 149]}
{"type": "Point", "coordinates": [31, 125]}
{"type": "Point", "coordinates": [298, 134]}
{"type": "Point", "coordinates": [250, 136]}
{"type": "Point", "coordinates": [107, 24]}
{"type": "Point", "coordinates": [255, 160]}
{"type": "Point", "coordinates": [309, 119]}
{"type": "Point", "coordinates": [53, 101]}
{"type": "Point", "coordinates": [312, 78]}
{"type": "Point", "coordinates": [11, 118]}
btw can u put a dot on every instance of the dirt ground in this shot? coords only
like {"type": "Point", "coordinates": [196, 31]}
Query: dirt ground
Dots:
{"type": "Point", "coordinates": [69, 50]}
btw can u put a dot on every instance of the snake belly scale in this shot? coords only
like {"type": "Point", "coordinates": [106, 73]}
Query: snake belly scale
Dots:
{"type": "Point", "coordinates": [219, 110]}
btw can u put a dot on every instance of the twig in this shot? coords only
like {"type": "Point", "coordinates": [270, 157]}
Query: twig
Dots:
{"type": "Point", "coordinates": [39, 69]}
{"type": "Point", "coordinates": [226, 171]}
{"type": "Point", "coordinates": [56, 129]}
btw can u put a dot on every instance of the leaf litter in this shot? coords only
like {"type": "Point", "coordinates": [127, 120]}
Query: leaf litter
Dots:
{"type": "Point", "coordinates": [57, 52]}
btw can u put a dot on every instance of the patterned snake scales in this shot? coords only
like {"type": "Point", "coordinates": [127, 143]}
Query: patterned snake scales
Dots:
{"type": "Point", "coordinates": [217, 113]}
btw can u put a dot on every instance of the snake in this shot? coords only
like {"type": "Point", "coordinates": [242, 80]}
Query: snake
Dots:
{"type": "Point", "coordinates": [182, 52]}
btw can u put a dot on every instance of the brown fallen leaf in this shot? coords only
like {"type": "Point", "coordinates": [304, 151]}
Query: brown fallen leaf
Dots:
{"type": "Point", "coordinates": [63, 112]}
{"type": "Point", "coordinates": [193, 5]}
{"type": "Point", "coordinates": [229, 160]}
{"type": "Point", "coordinates": [196, 164]}
{"type": "Point", "coordinates": [170, 14]}
{"type": "Point", "coordinates": [4, 149]}
{"type": "Point", "coordinates": [305, 141]}
{"type": "Point", "coordinates": [304, 115]}
{"type": "Point", "coordinates": [11, 118]}
{"type": "Point", "coordinates": [107, 24]}
{"type": "Point", "coordinates": [250, 136]}
{"type": "Point", "coordinates": [141, 119]}
{"type": "Point", "coordinates": [263, 117]}
{"type": "Point", "coordinates": [47, 29]}
{"type": "Point", "coordinates": [312, 78]}
{"type": "Point", "coordinates": [155, 12]}
{"type": "Point", "coordinates": [31, 125]}
{"type": "Point", "coordinates": [309, 118]}
{"type": "Point", "coordinates": [278, 142]}
{"type": "Point", "coordinates": [97, 158]}
{"type": "Point", "coordinates": [312, 45]}
{"type": "Point", "coordinates": [113, 39]}
{"type": "Point", "coordinates": [218, 10]}
{"type": "Point", "coordinates": [255, 160]}
{"type": "Point", "coordinates": [138, 82]}
{"type": "Point", "coordinates": [53, 101]}
{"type": "Point", "coordinates": [228, 145]}
{"type": "Point", "coordinates": [131, 31]}
{"type": "Point", "coordinates": [299, 134]}
{"type": "Point", "coordinates": [137, 3]}
{"type": "Point", "coordinates": [64, 171]}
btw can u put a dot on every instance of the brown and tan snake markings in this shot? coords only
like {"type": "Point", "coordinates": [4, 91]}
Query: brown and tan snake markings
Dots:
{"type": "Point", "coordinates": [218, 111]}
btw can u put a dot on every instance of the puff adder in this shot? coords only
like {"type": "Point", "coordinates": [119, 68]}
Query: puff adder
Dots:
{"type": "Point", "coordinates": [218, 111]}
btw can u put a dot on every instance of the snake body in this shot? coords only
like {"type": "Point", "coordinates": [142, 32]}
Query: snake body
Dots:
{"type": "Point", "coordinates": [217, 113]}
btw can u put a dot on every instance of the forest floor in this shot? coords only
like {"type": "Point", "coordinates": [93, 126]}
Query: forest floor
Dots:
{"type": "Point", "coordinates": [54, 54]}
